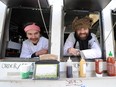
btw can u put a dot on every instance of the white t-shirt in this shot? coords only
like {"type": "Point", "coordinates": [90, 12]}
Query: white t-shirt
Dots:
{"type": "Point", "coordinates": [28, 48]}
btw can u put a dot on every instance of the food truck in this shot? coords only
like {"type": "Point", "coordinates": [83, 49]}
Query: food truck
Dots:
{"type": "Point", "coordinates": [54, 18]}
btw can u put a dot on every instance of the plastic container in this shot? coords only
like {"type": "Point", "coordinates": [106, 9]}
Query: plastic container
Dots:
{"type": "Point", "coordinates": [69, 70]}
{"type": "Point", "coordinates": [24, 71]}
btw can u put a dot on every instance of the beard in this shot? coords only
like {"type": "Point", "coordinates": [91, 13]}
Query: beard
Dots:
{"type": "Point", "coordinates": [83, 36]}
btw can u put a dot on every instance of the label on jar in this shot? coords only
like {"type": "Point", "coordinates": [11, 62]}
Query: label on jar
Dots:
{"type": "Point", "coordinates": [111, 66]}
{"type": "Point", "coordinates": [99, 66]}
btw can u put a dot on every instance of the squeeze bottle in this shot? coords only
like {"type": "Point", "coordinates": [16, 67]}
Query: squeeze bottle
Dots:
{"type": "Point", "coordinates": [82, 66]}
{"type": "Point", "coordinates": [69, 68]}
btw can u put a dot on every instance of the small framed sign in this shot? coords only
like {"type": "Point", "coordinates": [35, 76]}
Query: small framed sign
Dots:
{"type": "Point", "coordinates": [46, 69]}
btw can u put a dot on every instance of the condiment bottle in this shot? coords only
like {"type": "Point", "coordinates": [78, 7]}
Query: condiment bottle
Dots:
{"type": "Point", "coordinates": [82, 67]}
{"type": "Point", "coordinates": [69, 73]}
{"type": "Point", "coordinates": [99, 67]}
{"type": "Point", "coordinates": [115, 67]}
{"type": "Point", "coordinates": [111, 65]}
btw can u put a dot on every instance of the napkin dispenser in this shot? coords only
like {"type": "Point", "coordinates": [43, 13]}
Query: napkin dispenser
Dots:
{"type": "Point", "coordinates": [46, 70]}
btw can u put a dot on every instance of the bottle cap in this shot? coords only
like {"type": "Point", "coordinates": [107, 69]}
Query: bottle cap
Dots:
{"type": "Point", "coordinates": [82, 55]}
{"type": "Point", "coordinates": [110, 54]}
{"type": "Point", "coordinates": [69, 60]}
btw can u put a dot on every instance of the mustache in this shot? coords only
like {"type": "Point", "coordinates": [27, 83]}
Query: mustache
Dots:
{"type": "Point", "coordinates": [34, 39]}
{"type": "Point", "coordinates": [83, 33]}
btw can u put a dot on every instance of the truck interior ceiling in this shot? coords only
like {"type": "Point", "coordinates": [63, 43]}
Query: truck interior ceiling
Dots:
{"type": "Point", "coordinates": [20, 13]}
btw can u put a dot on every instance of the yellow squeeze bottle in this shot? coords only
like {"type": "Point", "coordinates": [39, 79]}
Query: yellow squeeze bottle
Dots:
{"type": "Point", "coordinates": [82, 67]}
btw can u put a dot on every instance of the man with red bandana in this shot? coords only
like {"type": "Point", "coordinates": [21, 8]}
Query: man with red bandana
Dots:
{"type": "Point", "coordinates": [36, 44]}
{"type": "Point", "coordinates": [82, 40]}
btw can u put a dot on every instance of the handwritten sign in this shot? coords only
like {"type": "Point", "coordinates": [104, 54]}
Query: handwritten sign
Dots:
{"type": "Point", "coordinates": [74, 83]}
{"type": "Point", "coordinates": [6, 67]}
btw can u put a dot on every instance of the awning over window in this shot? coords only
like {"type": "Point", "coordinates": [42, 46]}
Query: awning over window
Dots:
{"type": "Point", "coordinates": [26, 3]}
{"type": "Point", "coordinates": [90, 5]}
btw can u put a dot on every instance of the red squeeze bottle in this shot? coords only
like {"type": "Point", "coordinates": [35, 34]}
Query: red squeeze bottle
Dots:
{"type": "Point", "coordinates": [111, 65]}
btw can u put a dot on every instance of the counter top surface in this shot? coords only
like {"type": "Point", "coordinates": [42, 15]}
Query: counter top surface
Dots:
{"type": "Point", "coordinates": [64, 59]}
{"type": "Point", "coordinates": [61, 78]}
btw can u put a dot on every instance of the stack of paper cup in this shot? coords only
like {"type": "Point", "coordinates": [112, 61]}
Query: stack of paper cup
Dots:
{"type": "Point", "coordinates": [24, 71]}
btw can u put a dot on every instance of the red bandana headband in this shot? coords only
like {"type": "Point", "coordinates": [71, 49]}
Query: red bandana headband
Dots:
{"type": "Point", "coordinates": [32, 27]}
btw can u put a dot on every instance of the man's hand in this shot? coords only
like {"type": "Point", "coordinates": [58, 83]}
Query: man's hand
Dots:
{"type": "Point", "coordinates": [74, 51]}
{"type": "Point", "coordinates": [43, 51]}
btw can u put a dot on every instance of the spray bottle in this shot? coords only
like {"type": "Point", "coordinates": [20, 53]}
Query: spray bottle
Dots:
{"type": "Point", "coordinates": [82, 66]}
{"type": "Point", "coordinates": [69, 73]}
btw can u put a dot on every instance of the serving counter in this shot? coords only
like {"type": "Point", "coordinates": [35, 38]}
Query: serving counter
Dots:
{"type": "Point", "coordinates": [10, 76]}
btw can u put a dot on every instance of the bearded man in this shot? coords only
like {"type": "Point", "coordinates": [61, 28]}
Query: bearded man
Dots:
{"type": "Point", "coordinates": [82, 40]}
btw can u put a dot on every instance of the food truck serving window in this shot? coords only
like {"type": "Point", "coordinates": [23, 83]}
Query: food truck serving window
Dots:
{"type": "Point", "coordinates": [69, 17]}
{"type": "Point", "coordinates": [14, 33]}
